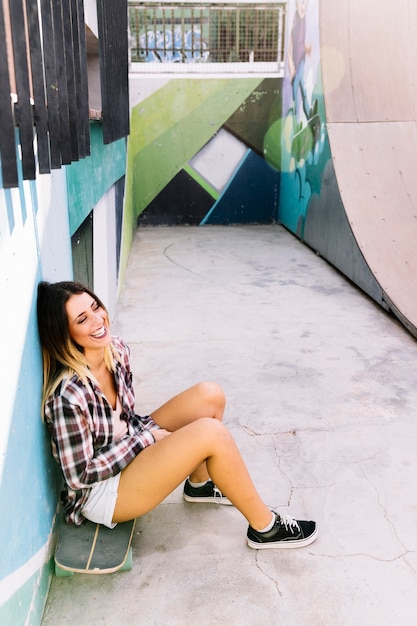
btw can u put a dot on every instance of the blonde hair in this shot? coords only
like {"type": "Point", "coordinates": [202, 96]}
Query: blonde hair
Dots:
{"type": "Point", "coordinates": [62, 358]}
{"type": "Point", "coordinates": [72, 363]}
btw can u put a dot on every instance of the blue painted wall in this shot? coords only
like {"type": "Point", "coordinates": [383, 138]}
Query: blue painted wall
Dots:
{"type": "Point", "coordinates": [36, 223]}
{"type": "Point", "coordinates": [251, 196]}
{"type": "Point", "coordinates": [27, 476]}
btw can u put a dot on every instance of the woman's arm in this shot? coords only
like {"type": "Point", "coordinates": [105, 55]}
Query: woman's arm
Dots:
{"type": "Point", "coordinates": [73, 444]}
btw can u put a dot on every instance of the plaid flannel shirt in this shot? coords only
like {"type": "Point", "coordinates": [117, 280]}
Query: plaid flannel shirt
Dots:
{"type": "Point", "coordinates": [79, 420]}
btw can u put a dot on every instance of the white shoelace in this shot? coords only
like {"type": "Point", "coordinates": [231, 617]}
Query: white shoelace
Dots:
{"type": "Point", "coordinates": [289, 522]}
{"type": "Point", "coordinates": [216, 492]}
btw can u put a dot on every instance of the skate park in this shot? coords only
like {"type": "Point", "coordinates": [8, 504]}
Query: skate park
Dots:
{"type": "Point", "coordinates": [315, 347]}
{"type": "Point", "coordinates": [340, 180]}
{"type": "Point", "coordinates": [256, 229]}
{"type": "Point", "coordinates": [321, 399]}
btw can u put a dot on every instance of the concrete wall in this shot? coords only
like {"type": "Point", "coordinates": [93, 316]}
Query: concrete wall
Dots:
{"type": "Point", "coordinates": [36, 223]}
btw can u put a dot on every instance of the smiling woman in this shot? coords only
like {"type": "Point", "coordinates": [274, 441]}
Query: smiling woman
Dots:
{"type": "Point", "coordinates": [117, 465]}
{"type": "Point", "coordinates": [89, 328]}
{"type": "Point", "coordinates": [87, 320]}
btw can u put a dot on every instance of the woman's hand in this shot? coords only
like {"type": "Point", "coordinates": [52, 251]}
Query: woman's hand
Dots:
{"type": "Point", "coordinates": [160, 433]}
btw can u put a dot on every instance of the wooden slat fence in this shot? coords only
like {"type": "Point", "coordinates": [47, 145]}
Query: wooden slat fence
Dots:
{"type": "Point", "coordinates": [44, 86]}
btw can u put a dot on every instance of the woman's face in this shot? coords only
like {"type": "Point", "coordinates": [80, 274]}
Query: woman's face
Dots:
{"type": "Point", "coordinates": [88, 322]}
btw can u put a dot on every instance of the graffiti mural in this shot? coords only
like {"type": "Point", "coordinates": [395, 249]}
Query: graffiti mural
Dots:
{"type": "Point", "coordinates": [303, 136]}
{"type": "Point", "coordinates": [173, 46]}
{"type": "Point", "coordinates": [195, 153]}
{"type": "Point", "coordinates": [306, 125]}
{"type": "Point", "coordinates": [304, 146]}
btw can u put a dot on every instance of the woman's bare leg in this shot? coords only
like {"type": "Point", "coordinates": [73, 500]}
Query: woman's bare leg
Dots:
{"type": "Point", "coordinates": [161, 467]}
{"type": "Point", "coordinates": [202, 400]}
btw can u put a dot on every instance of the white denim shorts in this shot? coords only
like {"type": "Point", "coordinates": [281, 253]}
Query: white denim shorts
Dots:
{"type": "Point", "coordinates": [101, 502]}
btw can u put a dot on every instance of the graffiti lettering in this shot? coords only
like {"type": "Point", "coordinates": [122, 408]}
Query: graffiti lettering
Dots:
{"type": "Point", "coordinates": [173, 46]}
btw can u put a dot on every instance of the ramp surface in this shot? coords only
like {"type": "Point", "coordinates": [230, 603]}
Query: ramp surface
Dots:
{"type": "Point", "coordinates": [369, 60]}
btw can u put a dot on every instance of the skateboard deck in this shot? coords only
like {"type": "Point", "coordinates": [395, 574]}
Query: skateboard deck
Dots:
{"type": "Point", "coordinates": [305, 140]}
{"type": "Point", "coordinates": [93, 548]}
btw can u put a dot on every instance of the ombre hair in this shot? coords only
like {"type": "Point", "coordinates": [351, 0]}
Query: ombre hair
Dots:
{"type": "Point", "coordinates": [62, 357]}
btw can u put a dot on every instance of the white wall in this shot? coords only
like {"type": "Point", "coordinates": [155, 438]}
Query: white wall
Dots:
{"type": "Point", "coordinates": [104, 250]}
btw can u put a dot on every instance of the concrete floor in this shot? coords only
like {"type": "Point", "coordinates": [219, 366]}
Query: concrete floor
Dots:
{"type": "Point", "coordinates": [322, 396]}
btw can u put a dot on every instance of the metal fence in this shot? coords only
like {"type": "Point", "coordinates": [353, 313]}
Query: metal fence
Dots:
{"type": "Point", "coordinates": [168, 34]}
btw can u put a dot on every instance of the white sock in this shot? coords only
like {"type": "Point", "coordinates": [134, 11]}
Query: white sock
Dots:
{"type": "Point", "coordinates": [196, 485]}
{"type": "Point", "coordinates": [270, 525]}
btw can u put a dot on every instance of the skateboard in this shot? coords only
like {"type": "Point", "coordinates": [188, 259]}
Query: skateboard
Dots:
{"type": "Point", "coordinates": [306, 138]}
{"type": "Point", "coordinates": [93, 548]}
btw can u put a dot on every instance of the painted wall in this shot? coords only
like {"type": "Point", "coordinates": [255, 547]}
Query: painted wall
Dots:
{"type": "Point", "coordinates": [37, 220]}
{"type": "Point", "coordinates": [88, 179]}
{"type": "Point", "coordinates": [195, 152]}
{"type": "Point", "coordinates": [238, 150]}
{"type": "Point", "coordinates": [310, 204]}
{"type": "Point", "coordinates": [201, 151]}
{"type": "Point", "coordinates": [27, 478]}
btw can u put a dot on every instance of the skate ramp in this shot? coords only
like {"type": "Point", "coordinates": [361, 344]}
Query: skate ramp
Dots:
{"type": "Point", "coordinates": [369, 71]}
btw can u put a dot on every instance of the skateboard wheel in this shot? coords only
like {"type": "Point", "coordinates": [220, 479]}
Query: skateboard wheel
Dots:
{"type": "Point", "coordinates": [128, 564]}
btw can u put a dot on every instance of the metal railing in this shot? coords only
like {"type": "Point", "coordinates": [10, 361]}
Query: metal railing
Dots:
{"type": "Point", "coordinates": [243, 36]}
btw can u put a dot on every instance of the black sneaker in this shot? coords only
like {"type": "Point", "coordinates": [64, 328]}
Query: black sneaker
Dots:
{"type": "Point", "coordinates": [207, 493]}
{"type": "Point", "coordinates": [285, 533]}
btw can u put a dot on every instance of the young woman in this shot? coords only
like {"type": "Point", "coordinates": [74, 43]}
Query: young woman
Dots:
{"type": "Point", "coordinates": [117, 465]}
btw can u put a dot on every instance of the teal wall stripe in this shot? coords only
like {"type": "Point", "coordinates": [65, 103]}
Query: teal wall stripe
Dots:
{"type": "Point", "coordinates": [27, 604]}
{"type": "Point", "coordinates": [90, 178]}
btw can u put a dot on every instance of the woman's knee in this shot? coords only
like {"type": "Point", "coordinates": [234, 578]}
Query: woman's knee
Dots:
{"type": "Point", "coordinates": [214, 397]}
{"type": "Point", "coordinates": [213, 431]}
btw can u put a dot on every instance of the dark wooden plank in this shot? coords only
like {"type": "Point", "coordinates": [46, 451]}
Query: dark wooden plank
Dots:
{"type": "Point", "coordinates": [83, 91]}
{"type": "Point", "coordinates": [7, 132]}
{"type": "Point", "coordinates": [51, 83]}
{"type": "Point", "coordinates": [77, 75]}
{"type": "Point", "coordinates": [113, 48]}
{"type": "Point", "coordinates": [81, 79]}
{"type": "Point", "coordinates": [23, 108]}
{"type": "Point", "coordinates": [39, 109]}
{"type": "Point", "coordinates": [67, 35]}
{"type": "Point", "coordinates": [61, 71]}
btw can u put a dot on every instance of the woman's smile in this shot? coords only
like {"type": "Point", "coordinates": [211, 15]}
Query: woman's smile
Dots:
{"type": "Point", "coordinates": [99, 334]}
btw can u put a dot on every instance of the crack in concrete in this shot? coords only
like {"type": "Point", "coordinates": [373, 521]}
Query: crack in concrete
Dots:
{"type": "Point", "coordinates": [354, 462]}
{"type": "Point", "coordinates": [254, 433]}
{"type": "Point", "coordinates": [410, 567]}
{"type": "Point", "coordinates": [270, 578]}
{"type": "Point", "coordinates": [356, 555]}
{"type": "Point", "coordinates": [278, 457]}
{"type": "Point", "coordinates": [196, 274]}
{"type": "Point", "coordinates": [383, 508]}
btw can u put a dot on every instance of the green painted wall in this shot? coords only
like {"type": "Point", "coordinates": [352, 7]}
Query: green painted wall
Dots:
{"type": "Point", "coordinates": [167, 130]}
{"type": "Point", "coordinates": [176, 123]}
